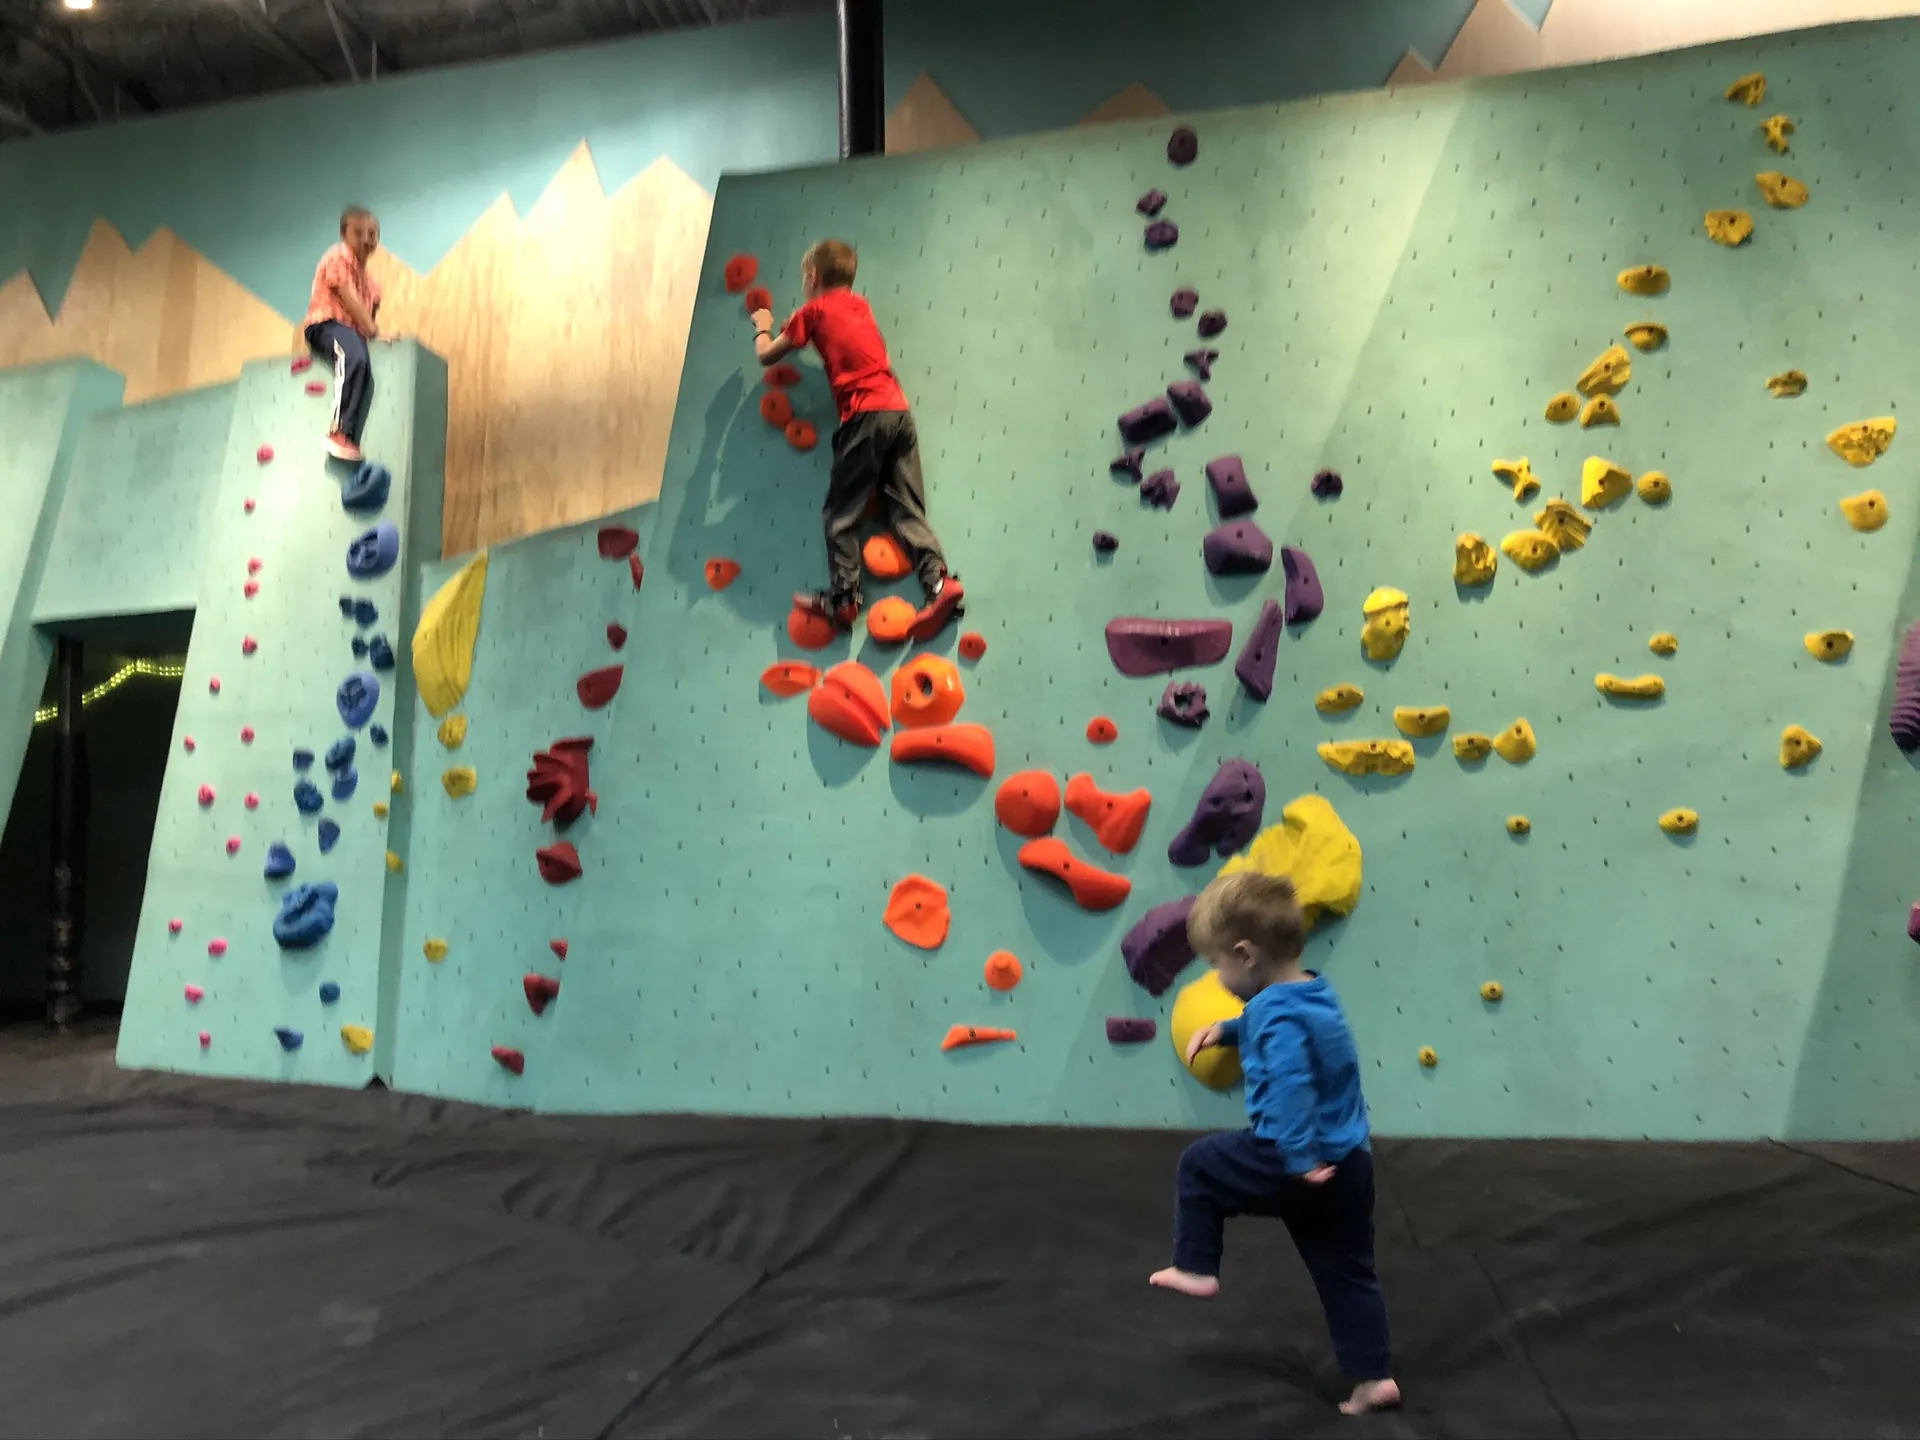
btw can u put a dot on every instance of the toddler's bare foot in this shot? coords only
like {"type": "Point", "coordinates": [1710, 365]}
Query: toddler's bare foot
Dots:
{"type": "Point", "coordinates": [1201, 1287]}
{"type": "Point", "coordinates": [1371, 1395]}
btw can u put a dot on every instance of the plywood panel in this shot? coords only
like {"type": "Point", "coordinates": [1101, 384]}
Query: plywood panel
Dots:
{"type": "Point", "coordinates": [925, 119]}
{"type": "Point", "coordinates": [1496, 40]}
{"type": "Point", "coordinates": [1136, 102]}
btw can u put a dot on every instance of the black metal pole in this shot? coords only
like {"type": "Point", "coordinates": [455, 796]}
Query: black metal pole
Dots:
{"type": "Point", "coordinates": [863, 85]}
{"type": "Point", "coordinates": [72, 799]}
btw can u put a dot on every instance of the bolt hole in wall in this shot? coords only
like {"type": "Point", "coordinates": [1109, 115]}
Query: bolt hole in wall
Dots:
{"type": "Point", "coordinates": [130, 671]}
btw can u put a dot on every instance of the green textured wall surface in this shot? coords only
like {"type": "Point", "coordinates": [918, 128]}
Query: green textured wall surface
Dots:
{"type": "Point", "coordinates": [286, 693]}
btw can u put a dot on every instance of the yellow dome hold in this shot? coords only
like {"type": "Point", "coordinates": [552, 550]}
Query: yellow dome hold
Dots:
{"type": "Point", "coordinates": [1428, 1059]}
{"type": "Point", "coordinates": [1680, 822]}
{"type": "Point", "coordinates": [379, 809]}
{"type": "Point", "coordinates": [1646, 335]}
{"type": "Point", "coordinates": [1828, 646]}
{"type": "Point", "coordinates": [1866, 511]}
{"type": "Point", "coordinates": [1338, 699]}
{"type": "Point", "coordinates": [453, 731]}
{"type": "Point", "coordinates": [1645, 280]}
{"type": "Point", "coordinates": [443, 641]}
{"type": "Point", "coordinates": [435, 950]}
{"type": "Point", "coordinates": [1798, 748]}
{"type": "Point", "coordinates": [1470, 749]}
{"type": "Point", "coordinates": [1493, 992]}
{"type": "Point", "coordinates": [1421, 721]}
{"type": "Point", "coordinates": [1201, 1003]}
{"type": "Point", "coordinates": [1600, 410]}
{"type": "Point", "coordinates": [1560, 409]}
{"type": "Point", "coordinates": [1655, 488]}
{"type": "Point", "coordinates": [1519, 825]}
{"type": "Point", "coordinates": [1664, 644]}
{"type": "Point", "coordinates": [460, 781]}
{"type": "Point", "coordinates": [1516, 744]}
{"type": "Point", "coordinates": [357, 1038]}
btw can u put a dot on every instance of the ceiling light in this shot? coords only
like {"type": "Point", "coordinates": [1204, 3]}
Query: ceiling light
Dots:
{"type": "Point", "coordinates": [79, 4]}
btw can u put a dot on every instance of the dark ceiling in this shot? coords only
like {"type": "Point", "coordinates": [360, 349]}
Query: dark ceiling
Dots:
{"type": "Point", "coordinates": [61, 68]}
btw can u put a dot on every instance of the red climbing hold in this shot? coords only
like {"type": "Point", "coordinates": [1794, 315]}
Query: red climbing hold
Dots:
{"type": "Point", "coordinates": [972, 645]}
{"type": "Point", "coordinates": [301, 362]}
{"type": "Point", "coordinates": [559, 947]}
{"type": "Point", "coordinates": [186, 743]}
{"type": "Point", "coordinates": [206, 795]}
{"type": "Point", "coordinates": [559, 781]}
{"type": "Point", "coordinates": [510, 1059]}
{"type": "Point", "coordinates": [1092, 888]}
{"type": "Point", "coordinates": [782, 376]}
{"type": "Point", "coordinates": [253, 565]}
{"type": "Point", "coordinates": [739, 273]}
{"type": "Point", "coordinates": [1115, 819]}
{"type": "Point", "coordinates": [175, 926]}
{"type": "Point", "coordinates": [316, 387]}
{"type": "Point", "coordinates": [808, 630]}
{"type": "Point", "coordinates": [558, 862]}
{"type": "Point", "coordinates": [246, 734]}
{"type": "Point", "coordinates": [541, 990]}
{"type": "Point", "coordinates": [636, 569]}
{"type": "Point", "coordinates": [616, 634]}
{"type": "Point", "coordinates": [617, 541]}
{"type": "Point", "coordinates": [247, 504]}
{"type": "Point", "coordinates": [917, 912]}
{"type": "Point", "coordinates": [250, 589]}
{"type": "Point", "coordinates": [758, 297]}
{"type": "Point", "coordinates": [722, 572]}
{"type": "Point", "coordinates": [801, 435]}
{"type": "Point", "coordinates": [264, 454]}
{"type": "Point", "coordinates": [886, 557]}
{"type": "Point", "coordinates": [968, 746]}
{"type": "Point", "coordinates": [1028, 803]}
{"type": "Point", "coordinates": [1102, 731]}
{"type": "Point", "coordinates": [789, 677]}
{"type": "Point", "coordinates": [848, 702]}
{"type": "Point", "coordinates": [597, 687]}
{"type": "Point", "coordinates": [776, 409]}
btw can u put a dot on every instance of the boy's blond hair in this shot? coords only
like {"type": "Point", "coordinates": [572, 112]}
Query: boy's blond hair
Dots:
{"type": "Point", "coordinates": [834, 262]}
{"type": "Point", "coordinates": [1260, 909]}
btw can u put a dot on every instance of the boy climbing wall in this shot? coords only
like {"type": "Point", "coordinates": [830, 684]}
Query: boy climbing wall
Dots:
{"type": "Point", "coordinates": [875, 450]}
{"type": "Point", "coordinates": [341, 319]}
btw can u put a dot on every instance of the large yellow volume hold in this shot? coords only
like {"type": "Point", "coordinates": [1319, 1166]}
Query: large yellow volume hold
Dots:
{"type": "Point", "coordinates": [1602, 483]}
{"type": "Point", "coordinates": [1798, 748]}
{"type": "Point", "coordinates": [1338, 699]}
{"type": "Point", "coordinates": [1368, 757]}
{"type": "Point", "coordinates": [1729, 227]}
{"type": "Point", "coordinates": [1470, 749]}
{"type": "Point", "coordinates": [1748, 89]}
{"type": "Point", "coordinates": [1776, 129]}
{"type": "Point", "coordinates": [1645, 280]}
{"type": "Point", "coordinates": [1313, 847]}
{"type": "Point", "coordinates": [1608, 374]}
{"type": "Point", "coordinates": [1783, 192]}
{"type": "Point", "coordinates": [1565, 526]}
{"type": "Point", "coordinates": [357, 1038]}
{"type": "Point", "coordinates": [1519, 473]}
{"type": "Point", "coordinates": [1201, 1003]}
{"type": "Point", "coordinates": [1516, 744]}
{"type": "Point", "coordinates": [1864, 441]}
{"type": "Point", "coordinates": [1600, 410]}
{"type": "Point", "coordinates": [443, 641]}
{"type": "Point", "coordinates": [1865, 511]}
{"type": "Point", "coordinates": [1639, 687]}
{"type": "Point", "coordinates": [1530, 549]}
{"type": "Point", "coordinates": [1473, 560]}
{"type": "Point", "coordinates": [1680, 822]}
{"type": "Point", "coordinates": [1387, 623]}
{"type": "Point", "coordinates": [1646, 334]}
{"type": "Point", "coordinates": [1829, 645]}
{"type": "Point", "coordinates": [1421, 721]}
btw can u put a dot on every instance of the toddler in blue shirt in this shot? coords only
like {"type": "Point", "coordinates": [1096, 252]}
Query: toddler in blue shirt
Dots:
{"type": "Point", "coordinates": [1305, 1159]}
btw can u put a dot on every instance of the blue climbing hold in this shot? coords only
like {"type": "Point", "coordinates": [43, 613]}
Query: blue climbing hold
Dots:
{"type": "Point", "coordinates": [345, 783]}
{"type": "Point", "coordinates": [329, 993]}
{"type": "Point", "coordinates": [364, 613]}
{"type": "Point", "coordinates": [380, 653]}
{"type": "Point", "coordinates": [359, 648]}
{"type": "Point", "coordinates": [367, 490]}
{"type": "Point", "coordinates": [328, 834]}
{"type": "Point", "coordinates": [373, 554]}
{"type": "Point", "coordinates": [377, 734]}
{"type": "Point", "coordinates": [302, 759]}
{"type": "Point", "coordinates": [289, 1039]}
{"type": "Point", "coordinates": [279, 861]}
{"type": "Point", "coordinates": [306, 915]}
{"type": "Point", "coordinates": [307, 797]}
{"type": "Point", "coordinates": [340, 753]}
{"type": "Point", "coordinates": [359, 693]}
{"type": "Point", "coordinates": [346, 606]}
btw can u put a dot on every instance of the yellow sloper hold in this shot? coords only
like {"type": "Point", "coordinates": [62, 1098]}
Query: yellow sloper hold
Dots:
{"type": "Point", "coordinates": [357, 1038]}
{"type": "Point", "coordinates": [1729, 227]}
{"type": "Point", "coordinates": [1427, 1057]}
{"type": "Point", "coordinates": [1646, 334]}
{"type": "Point", "coordinates": [1748, 89]}
{"type": "Point", "coordinates": [453, 731]}
{"type": "Point", "coordinates": [1470, 749]}
{"type": "Point", "coordinates": [1638, 687]}
{"type": "Point", "coordinates": [1600, 410]}
{"type": "Point", "coordinates": [1602, 483]}
{"type": "Point", "coordinates": [1865, 511]}
{"type": "Point", "coordinates": [1493, 992]}
{"type": "Point", "coordinates": [1338, 699]}
{"type": "Point", "coordinates": [1198, 1004]}
{"type": "Point", "coordinates": [1645, 280]}
{"type": "Point", "coordinates": [1530, 549]}
{"type": "Point", "coordinates": [1519, 473]}
{"type": "Point", "coordinates": [1864, 441]}
{"type": "Point", "coordinates": [1787, 384]}
{"type": "Point", "coordinates": [435, 950]}
{"type": "Point", "coordinates": [1608, 374]}
{"type": "Point", "coordinates": [1777, 128]}
{"type": "Point", "coordinates": [1563, 407]}
{"type": "Point", "coordinates": [460, 780]}
{"type": "Point", "coordinates": [443, 640]}
{"type": "Point", "coordinates": [1387, 623]}
{"type": "Point", "coordinates": [1516, 744]}
{"type": "Point", "coordinates": [1313, 847]}
{"type": "Point", "coordinates": [1565, 526]}
{"type": "Point", "coordinates": [1664, 644]}
{"type": "Point", "coordinates": [1680, 822]}
{"type": "Point", "coordinates": [1473, 560]}
{"type": "Point", "coordinates": [1422, 722]}
{"type": "Point", "coordinates": [1829, 645]}
{"type": "Point", "coordinates": [1783, 192]}
{"type": "Point", "coordinates": [379, 809]}
{"type": "Point", "coordinates": [1655, 488]}
{"type": "Point", "coordinates": [1519, 825]}
{"type": "Point", "coordinates": [394, 863]}
{"type": "Point", "coordinates": [1368, 757]}
{"type": "Point", "coordinates": [1798, 748]}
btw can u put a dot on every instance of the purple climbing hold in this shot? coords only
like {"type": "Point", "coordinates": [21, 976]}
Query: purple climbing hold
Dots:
{"type": "Point", "coordinates": [1183, 145]}
{"type": "Point", "coordinates": [1184, 703]}
{"type": "Point", "coordinates": [1105, 541]}
{"type": "Point", "coordinates": [1183, 303]}
{"type": "Point", "coordinates": [1327, 485]}
{"type": "Point", "coordinates": [1149, 422]}
{"type": "Point", "coordinates": [1160, 489]}
{"type": "Point", "coordinates": [1212, 323]}
{"type": "Point", "coordinates": [1151, 203]}
{"type": "Point", "coordinates": [1227, 817]}
{"type": "Point", "coordinates": [1130, 1029]}
{"type": "Point", "coordinates": [1904, 718]}
{"type": "Point", "coordinates": [1305, 599]}
{"type": "Point", "coordinates": [1156, 949]}
{"type": "Point", "coordinates": [1202, 361]}
{"type": "Point", "coordinates": [1913, 922]}
{"type": "Point", "coordinates": [1128, 464]}
{"type": "Point", "coordinates": [1238, 547]}
{"type": "Point", "coordinates": [1190, 400]}
{"type": "Point", "coordinates": [1138, 646]}
{"type": "Point", "coordinates": [1231, 492]}
{"type": "Point", "coordinates": [1162, 234]}
{"type": "Point", "coordinates": [1261, 652]}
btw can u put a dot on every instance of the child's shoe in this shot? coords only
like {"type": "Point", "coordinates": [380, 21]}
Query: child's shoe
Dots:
{"type": "Point", "coordinates": [840, 613]}
{"type": "Point", "coordinates": [341, 448]}
{"type": "Point", "coordinates": [941, 607]}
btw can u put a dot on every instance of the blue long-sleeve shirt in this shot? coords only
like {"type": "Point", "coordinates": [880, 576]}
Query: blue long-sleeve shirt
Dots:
{"type": "Point", "coordinates": [1302, 1073]}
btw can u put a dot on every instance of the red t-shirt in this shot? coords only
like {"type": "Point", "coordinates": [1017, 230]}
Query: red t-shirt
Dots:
{"type": "Point", "coordinates": [840, 325]}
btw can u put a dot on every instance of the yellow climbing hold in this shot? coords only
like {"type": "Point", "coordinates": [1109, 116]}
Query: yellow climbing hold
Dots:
{"type": "Point", "coordinates": [1664, 644]}
{"type": "Point", "coordinates": [1493, 992]}
{"type": "Point", "coordinates": [1787, 384]}
{"type": "Point", "coordinates": [1516, 744]}
{"type": "Point", "coordinates": [1313, 847]}
{"type": "Point", "coordinates": [1829, 645]}
{"type": "Point", "coordinates": [396, 785]}
{"type": "Point", "coordinates": [1639, 687]}
{"type": "Point", "coordinates": [460, 780]}
{"type": "Point", "coordinates": [1519, 825]}
{"type": "Point", "coordinates": [358, 1038]}
{"type": "Point", "coordinates": [1729, 227]}
{"type": "Point", "coordinates": [1748, 89]}
{"type": "Point", "coordinates": [1646, 334]}
{"type": "Point", "coordinates": [1783, 192]}
{"type": "Point", "coordinates": [1471, 748]}
{"type": "Point", "coordinates": [1865, 511]}
{"type": "Point", "coordinates": [1387, 623]}
{"type": "Point", "coordinates": [1798, 748]}
{"type": "Point", "coordinates": [1338, 699]}
{"type": "Point", "coordinates": [1680, 822]}
{"type": "Point", "coordinates": [1473, 560]}
{"type": "Point", "coordinates": [1201, 1003]}
{"type": "Point", "coordinates": [1427, 1057]}
{"type": "Point", "coordinates": [1864, 441]}
{"type": "Point", "coordinates": [1530, 550]}
{"type": "Point", "coordinates": [1368, 757]}
{"type": "Point", "coordinates": [1600, 410]}
{"type": "Point", "coordinates": [379, 809]}
{"type": "Point", "coordinates": [443, 641]}
{"type": "Point", "coordinates": [1565, 526]}
{"type": "Point", "coordinates": [435, 950]}
{"type": "Point", "coordinates": [1655, 488]}
{"type": "Point", "coordinates": [1421, 721]}
{"type": "Point", "coordinates": [1519, 473]}
{"type": "Point", "coordinates": [1645, 280]}
{"type": "Point", "coordinates": [1608, 374]}
{"type": "Point", "coordinates": [1777, 128]}
{"type": "Point", "coordinates": [394, 863]}
{"type": "Point", "coordinates": [453, 731]}
{"type": "Point", "coordinates": [1562, 408]}
{"type": "Point", "coordinates": [1602, 483]}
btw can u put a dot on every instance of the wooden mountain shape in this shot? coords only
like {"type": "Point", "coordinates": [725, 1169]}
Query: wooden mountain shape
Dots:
{"type": "Point", "coordinates": [1136, 102]}
{"type": "Point", "coordinates": [925, 119]}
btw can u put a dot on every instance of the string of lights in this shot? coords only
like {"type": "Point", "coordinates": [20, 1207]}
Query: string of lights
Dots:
{"type": "Point", "coordinates": [133, 669]}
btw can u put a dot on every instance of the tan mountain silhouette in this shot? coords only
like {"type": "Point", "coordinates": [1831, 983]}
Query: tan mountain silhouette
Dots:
{"type": "Point", "coordinates": [1136, 102]}
{"type": "Point", "coordinates": [925, 119]}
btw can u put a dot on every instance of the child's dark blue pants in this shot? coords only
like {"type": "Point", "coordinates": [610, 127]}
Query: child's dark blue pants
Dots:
{"type": "Point", "coordinates": [1332, 1227]}
{"type": "Point", "coordinates": [346, 349]}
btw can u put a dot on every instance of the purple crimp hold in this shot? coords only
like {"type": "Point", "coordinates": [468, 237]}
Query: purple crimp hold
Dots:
{"type": "Point", "coordinates": [1327, 485]}
{"type": "Point", "coordinates": [1231, 492]}
{"type": "Point", "coordinates": [1160, 489]}
{"type": "Point", "coordinates": [1129, 463]}
{"type": "Point", "coordinates": [1130, 1029]}
{"type": "Point", "coordinates": [1148, 422]}
{"type": "Point", "coordinates": [1238, 547]}
{"type": "Point", "coordinates": [1261, 653]}
{"type": "Point", "coordinates": [1183, 302]}
{"type": "Point", "coordinates": [1903, 720]}
{"type": "Point", "coordinates": [1184, 703]}
{"type": "Point", "coordinates": [1182, 146]}
{"type": "Point", "coordinates": [1151, 203]}
{"type": "Point", "coordinates": [1162, 235]}
{"type": "Point", "coordinates": [1305, 599]}
{"type": "Point", "coordinates": [1227, 817]}
{"type": "Point", "coordinates": [1156, 949]}
{"type": "Point", "coordinates": [1105, 541]}
{"type": "Point", "coordinates": [1212, 323]}
{"type": "Point", "coordinates": [1202, 361]}
{"type": "Point", "coordinates": [1190, 400]}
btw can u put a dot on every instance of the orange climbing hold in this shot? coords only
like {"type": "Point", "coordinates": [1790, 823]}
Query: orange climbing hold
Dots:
{"type": "Point", "coordinates": [917, 912]}
{"type": "Point", "coordinates": [1116, 820]}
{"type": "Point", "coordinates": [1028, 803]}
{"type": "Point", "coordinates": [782, 376]}
{"type": "Point", "coordinates": [510, 1059]}
{"type": "Point", "coordinates": [886, 557]}
{"type": "Point", "coordinates": [787, 678]}
{"type": "Point", "coordinates": [972, 645]}
{"type": "Point", "coordinates": [722, 572]}
{"type": "Point", "coordinates": [1102, 731]}
{"type": "Point", "coordinates": [927, 691]}
{"type": "Point", "coordinates": [889, 620]}
{"type": "Point", "coordinates": [1092, 888]}
{"type": "Point", "coordinates": [740, 272]}
{"type": "Point", "coordinates": [801, 435]}
{"type": "Point", "coordinates": [1004, 970]}
{"type": "Point", "coordinates": [849, 702]}
{"type": "Point", "coordinates": [959, 1035]}
{"type": "Point", "coordinates": [969, 746]}
{"type": "Point", "coordinates": [808, 630]}
{"type": "Point", "coordinates": [776, 409]}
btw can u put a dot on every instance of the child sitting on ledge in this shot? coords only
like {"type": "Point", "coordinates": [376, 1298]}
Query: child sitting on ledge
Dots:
{"type": "Point", "coordinates": [342, 316]}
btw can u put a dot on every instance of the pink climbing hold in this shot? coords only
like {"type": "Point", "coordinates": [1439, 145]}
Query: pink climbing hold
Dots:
{"type": "Point", "coordinates": [216, 948]}
{"type": "Point", "coordinates": [253, 565]}
{"type": "Point", "coordinates": [316, 387]}
{"type": "Point", "coordinates": [176, 925]}
{"type": "Point", "coordinates": [301, 362]}
{"type": "Point", "coordinates": [205, 1039]}
{"type": "Point", "coordinates": [264, 454]}
{"type": "Point", "coordinates": [248, 645]}
{"type": "Point", "coordinates": [250, 589]}
{"type": "Point", "coordinates": [186, 743]}
{"type": "Point", "coordinates": [206, 794]}
{"type": "Point", "coordinates": [195, 994]}
{"type": "Point", "coordinates": [247, 504]}
{"type": "Point", "coordinates": [213, 686]}
{"type": "Point", "coordinates": [559, 947]}
{"type": "Point", "coordinates": [251, 801]}
{"type": "Point", "coordinates": [246, 734]}
{"type": "Point", "coordinates": [233, 844]}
